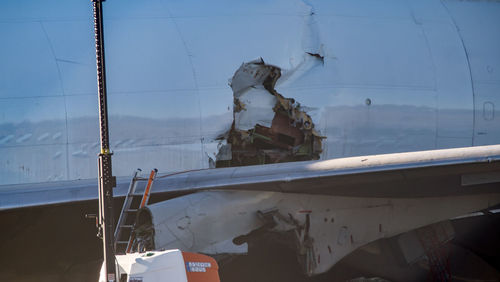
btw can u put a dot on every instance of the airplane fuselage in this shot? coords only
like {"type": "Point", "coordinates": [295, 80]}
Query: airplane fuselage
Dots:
{"type": "Point", "coordinates": [374, 78]}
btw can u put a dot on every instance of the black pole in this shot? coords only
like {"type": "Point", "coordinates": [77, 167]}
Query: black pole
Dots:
{"type": "Point", "coordinates": [106, 179]}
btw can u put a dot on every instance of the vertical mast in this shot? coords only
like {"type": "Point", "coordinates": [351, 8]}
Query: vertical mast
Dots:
{"type": "Point", "coordinates": [106, 179]}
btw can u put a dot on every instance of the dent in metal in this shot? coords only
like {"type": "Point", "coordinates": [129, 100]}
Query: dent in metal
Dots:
{"type": "Point", "coordinates": [419, 102]}
{"type": "Point", "coordinates": [222, 222]}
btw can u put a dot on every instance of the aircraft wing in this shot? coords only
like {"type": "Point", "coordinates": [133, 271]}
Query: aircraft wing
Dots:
{"type": "Point", "coordinates": [448, 172]}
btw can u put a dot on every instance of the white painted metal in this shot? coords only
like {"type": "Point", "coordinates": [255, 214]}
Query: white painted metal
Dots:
{"type": "Point", "coordinates": [259, 106]}
{"type": "Point", "coordinates": [151, 267]}
{"type": "Point", "coordinates": [279, 176]}
{"type": "Point", "coordinates": [395, 76]}
{"type": "Point", "coordinates": [473, 22]}
{"type": "Point", "coordinates": [429, 68]}
{"type": "Point", "coordinates": [338, 225]}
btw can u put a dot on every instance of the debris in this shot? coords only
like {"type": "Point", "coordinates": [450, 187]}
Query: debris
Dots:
{"type": "Point", "coordinates": [267, 127]}
{"type": "Point", "coordinates": [144, 231]}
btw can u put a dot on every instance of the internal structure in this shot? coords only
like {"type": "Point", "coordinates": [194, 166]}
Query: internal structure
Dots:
{"type": "Point", "coordinates": [267, 127]}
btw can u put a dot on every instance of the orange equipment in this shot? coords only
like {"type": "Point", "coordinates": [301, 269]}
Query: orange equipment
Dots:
{"type": "Point", "coordinates": [200, 268]}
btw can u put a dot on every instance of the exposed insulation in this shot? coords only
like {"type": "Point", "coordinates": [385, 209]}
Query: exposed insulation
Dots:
{"type": "Point", "coordinates": [267, 127]}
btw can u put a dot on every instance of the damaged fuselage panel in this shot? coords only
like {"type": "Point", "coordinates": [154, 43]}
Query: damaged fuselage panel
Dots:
{"type": "Point", "coordinates": [267, 127]}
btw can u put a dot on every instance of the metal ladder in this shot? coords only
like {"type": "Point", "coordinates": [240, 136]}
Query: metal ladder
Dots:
{"type": "Point", "coordinates": [124, 235]}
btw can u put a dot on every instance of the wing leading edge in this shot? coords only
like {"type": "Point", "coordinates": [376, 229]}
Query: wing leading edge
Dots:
{"type": "Point", "coordinates": [449, 172]}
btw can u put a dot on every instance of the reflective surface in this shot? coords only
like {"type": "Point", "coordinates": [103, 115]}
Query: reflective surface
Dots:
{"type": "Point", "coordinates": [169, 63]}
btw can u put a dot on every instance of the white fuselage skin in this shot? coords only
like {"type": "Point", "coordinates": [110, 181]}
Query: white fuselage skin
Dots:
{"type": "Point", "coordinates": [393, 77]}
{"type": "Point", "coordinates": [375, 77]}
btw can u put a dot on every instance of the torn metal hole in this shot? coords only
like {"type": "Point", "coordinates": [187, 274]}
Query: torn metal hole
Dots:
{"type": "Point", "coordinates": [322, 58]}
{"type": "Point", "coordinates": [267, 127]}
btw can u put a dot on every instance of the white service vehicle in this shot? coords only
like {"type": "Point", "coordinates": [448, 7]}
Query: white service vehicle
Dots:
{"type": "Point", "coordinates": [169, 265]}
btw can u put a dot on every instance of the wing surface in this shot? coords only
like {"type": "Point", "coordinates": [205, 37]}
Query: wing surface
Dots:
{"type": "Point", "coordinates": [449, 172]}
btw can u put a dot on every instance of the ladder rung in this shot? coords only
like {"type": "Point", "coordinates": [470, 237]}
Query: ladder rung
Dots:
{"type": "Point", "coordinates": [141, 179]}
{"type": "Point", "coordinates": [130, 209]}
